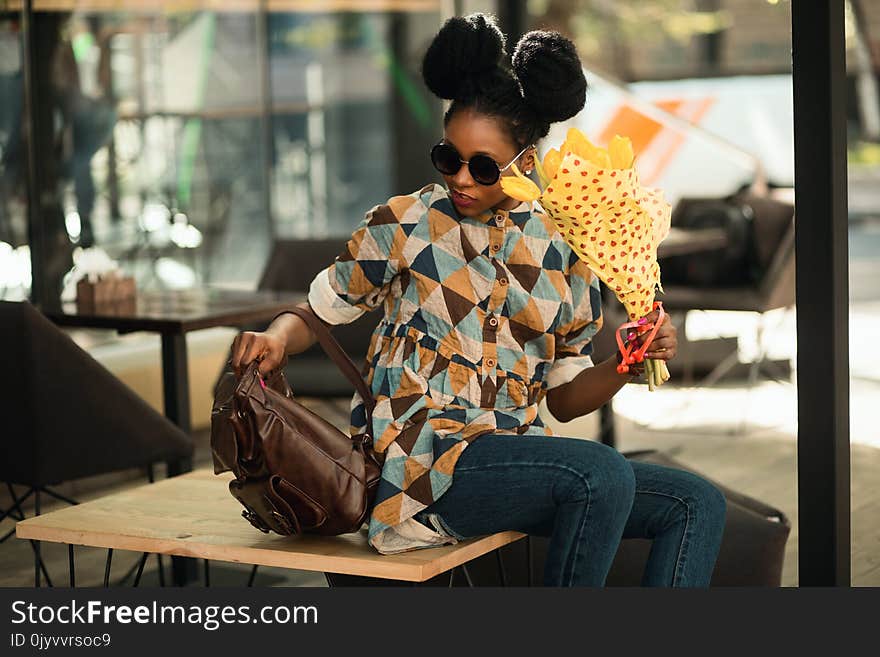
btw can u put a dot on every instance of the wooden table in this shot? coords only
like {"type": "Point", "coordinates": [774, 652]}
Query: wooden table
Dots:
{"type": "Point", "coordinates": [195, 516]}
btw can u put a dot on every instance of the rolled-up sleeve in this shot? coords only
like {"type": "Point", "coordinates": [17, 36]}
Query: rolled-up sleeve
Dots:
{"type": "Point", "coordinates": [574, 338]}
{"type": "Point", "coordinates": [360, 278]}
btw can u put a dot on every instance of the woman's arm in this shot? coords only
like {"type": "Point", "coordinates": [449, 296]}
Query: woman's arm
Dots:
{"type": "Point", "coordinates": [594, 386]}
{"type": "Point", "coordinates": [293, 331]}
{"type": "Point", "coordinates": [587, 391]}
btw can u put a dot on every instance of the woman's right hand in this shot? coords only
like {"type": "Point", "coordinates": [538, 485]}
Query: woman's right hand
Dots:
{"type": "Point", "coordinates": [248, 346]}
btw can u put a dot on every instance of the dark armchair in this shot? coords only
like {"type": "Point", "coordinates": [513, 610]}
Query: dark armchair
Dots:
{"type": "Point", "coordinates": [66, 417]}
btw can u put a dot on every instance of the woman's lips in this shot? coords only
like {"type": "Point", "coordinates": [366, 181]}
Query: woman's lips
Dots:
{"type": "Point", "coordinates": [462, 200]}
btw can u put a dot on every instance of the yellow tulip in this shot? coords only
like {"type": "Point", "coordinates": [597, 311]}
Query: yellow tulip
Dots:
{"type": "Point", "coordinates": [542, 175]}
{"type": "Point", "coordinates": [621, 151]}
{"type": "Point", "coordinates": [577, 143]}
{"type": "Point", "coordinates": [552, 160]}
{"type": "Point", "coordinates": [600, 158]}
{"type": "Point", "coordinates": [519, 187]}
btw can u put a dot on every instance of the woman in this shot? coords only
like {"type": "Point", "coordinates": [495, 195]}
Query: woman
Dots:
{"type": "Point", "coordinates": [487, 311]}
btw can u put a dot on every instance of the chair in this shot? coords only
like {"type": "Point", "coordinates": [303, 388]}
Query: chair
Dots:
{"type": "Point", "coordinates": [771, 265]}
{"type": "Point", "coordinates": [292, 266]}
{"type": "Point", "coordinates": [68, 417]}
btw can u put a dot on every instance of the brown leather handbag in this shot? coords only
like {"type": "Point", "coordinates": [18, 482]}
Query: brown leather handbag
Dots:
{"type": "Point", "coordinates": [294, 471]}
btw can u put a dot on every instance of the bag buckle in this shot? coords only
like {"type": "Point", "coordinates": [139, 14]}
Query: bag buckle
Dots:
{"type": "Point", "coordinates": [255, 520]}
{"type": "Point", "coordinates": [283, 521]}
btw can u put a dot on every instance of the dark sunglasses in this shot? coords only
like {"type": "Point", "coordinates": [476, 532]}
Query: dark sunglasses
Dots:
{"type": "Point", "coordinates": [484, 170]}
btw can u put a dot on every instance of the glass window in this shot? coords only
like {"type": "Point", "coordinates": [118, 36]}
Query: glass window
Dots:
{"type": "Point", "coordinates": [181, 143]}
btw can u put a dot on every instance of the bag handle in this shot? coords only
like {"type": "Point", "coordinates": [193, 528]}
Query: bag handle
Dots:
{"type": "Point", "coordinates": [336, 353]}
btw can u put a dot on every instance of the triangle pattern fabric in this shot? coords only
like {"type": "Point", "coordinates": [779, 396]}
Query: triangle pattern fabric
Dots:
{"type": "Point", "coordinates": [467, 339]}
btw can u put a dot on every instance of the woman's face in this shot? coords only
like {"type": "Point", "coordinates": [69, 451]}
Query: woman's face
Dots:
{"type": "Point", "coordinates": [472, 133]}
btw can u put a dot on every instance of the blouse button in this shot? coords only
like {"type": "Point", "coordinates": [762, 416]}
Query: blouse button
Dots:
{"type": "Point", "coordinates": [496, 247]}
{"type": "Point", "coordinates": [502, 281]}
{"type": "Point", "coordinates": [493, 322]}
{"type": "Point", "coordinates": [490, 362]}
{"type": "Point", "coordinates": [499, 219]}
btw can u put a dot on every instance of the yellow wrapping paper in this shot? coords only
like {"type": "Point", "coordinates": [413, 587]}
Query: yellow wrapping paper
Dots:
{"type": "Point", "coordinates": [613, 223]}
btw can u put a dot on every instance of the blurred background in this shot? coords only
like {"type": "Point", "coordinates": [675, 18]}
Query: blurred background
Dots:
{"type": "Point", "coordinates": [173, 136]}
{"type": "Point", "coordinates": [186, 140]}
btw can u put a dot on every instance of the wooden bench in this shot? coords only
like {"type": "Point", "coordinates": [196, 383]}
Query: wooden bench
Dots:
{"type": "Point", "coordinates": [194, 515]}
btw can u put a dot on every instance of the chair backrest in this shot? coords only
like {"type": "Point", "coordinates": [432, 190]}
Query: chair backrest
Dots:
{"type": "Point", "coordinates": [778, 285]}
{"type": "Point", "coordinates": [293, 263]}
{"type": "Point", "coordinates": [771, 223]}
{"type": "Point", "coordinates": [66, 416]}
{"type": "Point", "coordinates": [774, 246]}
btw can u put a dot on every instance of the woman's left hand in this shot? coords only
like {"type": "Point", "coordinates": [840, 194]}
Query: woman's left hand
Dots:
{"type": "Point", "coordinates": [665, 343]}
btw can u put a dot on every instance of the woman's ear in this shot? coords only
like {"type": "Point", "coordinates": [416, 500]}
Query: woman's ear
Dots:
{"type": "Point", "coordinates": [528, 163]}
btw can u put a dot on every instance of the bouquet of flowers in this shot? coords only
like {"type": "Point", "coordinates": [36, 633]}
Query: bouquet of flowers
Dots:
{"type": "Point", "coordinates": [613, 223]}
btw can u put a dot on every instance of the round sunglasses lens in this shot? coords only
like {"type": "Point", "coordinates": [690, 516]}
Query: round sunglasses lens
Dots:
{"type": "Point", "coordinates": [445, 159]}
{"type": "Point", "coordinates": [484, 170]}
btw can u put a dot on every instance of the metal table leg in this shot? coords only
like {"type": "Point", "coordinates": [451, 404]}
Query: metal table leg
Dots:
{"type": "Point", "coordinates": [530, 557]}
{"type": "Point", "coordinates": [107, 568]}
{"type": "Point", "coordinates": [501, 572]}
{"type": "Point", "coordinates": [175, 390]}
{"type": "Point", "coordinates": [140, 570]}
{"type": "Point", "coordinates": [467, 575]}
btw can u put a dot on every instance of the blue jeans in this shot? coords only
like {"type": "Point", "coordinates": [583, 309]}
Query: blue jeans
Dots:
{"type": "Point", "coordinates": [585, 496]}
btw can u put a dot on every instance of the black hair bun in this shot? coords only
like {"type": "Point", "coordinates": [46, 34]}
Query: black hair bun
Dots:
{"type": "Point", "coordinates": [551, 75]}
{"type": "Point", "coordinates": [465, 50]}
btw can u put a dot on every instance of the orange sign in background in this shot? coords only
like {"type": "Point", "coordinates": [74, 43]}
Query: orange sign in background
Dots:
{"type": "Point", "coordinates": [654, 144]}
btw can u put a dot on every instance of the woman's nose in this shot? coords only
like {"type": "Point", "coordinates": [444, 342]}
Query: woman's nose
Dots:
{"type": "Point", "coordinates": [462, 177]}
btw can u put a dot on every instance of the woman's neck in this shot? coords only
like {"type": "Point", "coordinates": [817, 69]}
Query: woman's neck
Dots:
{"type": "Point", "coordinates": [509, 204]}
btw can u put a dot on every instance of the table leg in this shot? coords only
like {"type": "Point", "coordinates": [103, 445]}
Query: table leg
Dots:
{"type": "Point", "coordinates": [175, 390]}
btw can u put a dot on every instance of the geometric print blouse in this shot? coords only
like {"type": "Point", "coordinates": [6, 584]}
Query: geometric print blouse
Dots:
{"type": "Point", "coordinates": [482, 315]}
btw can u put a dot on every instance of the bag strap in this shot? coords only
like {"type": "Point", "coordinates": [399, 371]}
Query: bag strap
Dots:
{"type": "Point", "coordinates": [336, 353]}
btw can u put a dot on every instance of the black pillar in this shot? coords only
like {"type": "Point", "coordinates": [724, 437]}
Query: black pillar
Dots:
{"type": "Point", "coordinates": [50, 246]}
{"type": "Point", "coordinates": [512, 19]}
{"type": "Point", "coordinates": [819, 79]}
{"type": "Point", "coordinates": [267, 112]}
{"type": "Point", "coordinates": [33, 99]}
{"type": "Point", "coordinates": [416, 122]}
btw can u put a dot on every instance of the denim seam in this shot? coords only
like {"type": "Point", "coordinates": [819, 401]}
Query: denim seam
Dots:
{"type": "Point", "coordinates": [546, 465]}
{"type": "Point", "coordinates": [684, 536]}
{"type": "Point", "coordinates": [584, 515]}
{"type": "Point", "coordinates": [577, 549]}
